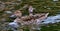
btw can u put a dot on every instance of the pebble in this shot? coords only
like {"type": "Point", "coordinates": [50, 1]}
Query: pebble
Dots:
{"type": "Point", "coordinates": [45, 6]}
{"type": "Point", "coordinates": [2, 6]}
{"type": "Point", "coordinates": [48, 8]}
{"type": "Point", "coordinates": [3, 19]}
{"type": "Point", "coordinates": [18, 0]}
{"type": "Point", "coordinates": [55, 0]}
{"type": "Point", "coordinates": [8, 12]}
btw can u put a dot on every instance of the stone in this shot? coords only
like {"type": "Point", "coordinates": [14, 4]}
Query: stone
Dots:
{"type": "Point", "coordinates": [3, 19]}
{"type": "Point", "coordinates": [2, 6]}
{"type": "Point", "coordinates": [55, 0]}
{"type": "Point", "coordinates": [45, 6]}
{"type": "Point", "coordinates": [48, 8]}
{"type": "Point", "coordinates": [8, 12]}
{"type": "Point", "coordinates": [18, 0]}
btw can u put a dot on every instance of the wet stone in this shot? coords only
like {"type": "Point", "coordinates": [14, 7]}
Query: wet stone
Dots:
{"type": "Point", "coordinates": [48, 8]}
{"type": "Point", "coordinates": [18, 0]}
{"type": "Point", "coordinates": [55, 0]}
{"type": "Point", "coordinates": [45, 6]}
{"type": "Point", "coordinates": [8, 12]}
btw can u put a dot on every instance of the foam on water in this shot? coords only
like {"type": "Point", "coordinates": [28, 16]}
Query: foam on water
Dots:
{"type": "Point", "coordinates": [14, 24]}
{"type": "Point", "coordinates": [52, 19]}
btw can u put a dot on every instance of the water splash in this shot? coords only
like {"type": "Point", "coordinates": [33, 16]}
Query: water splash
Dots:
{"type": "Point", "coordinates": [14, 24]}
{"type": "Point", "coordinates": [52, 19]}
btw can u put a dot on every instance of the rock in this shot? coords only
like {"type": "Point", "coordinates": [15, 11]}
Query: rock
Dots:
{"type": "Point", "coordinates": [13, 3]}
{"type": "Point", "coordinates": [2, 5]}
{"type": "Point", "coordinates": [36, 28]}
{"type": "Point", "coordinates": [55, 0]}
{"type": "Point", "coordinates": [45, 6]}
{"type": "Point", "coordinates": [18, 0]}
{"type": "Point", "coordinates": [48, 8]}
{"type": "Point", "coordinates": [3, 19]}
{"type": "Point", "coordinates": [8, 12]}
